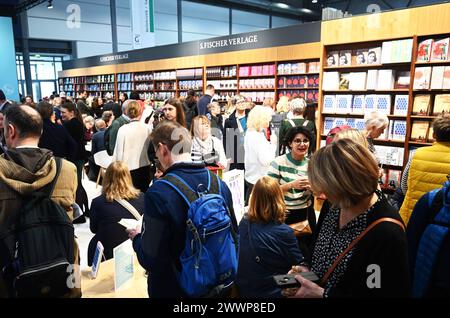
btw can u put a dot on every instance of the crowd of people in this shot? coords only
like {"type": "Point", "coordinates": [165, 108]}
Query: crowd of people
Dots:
{"type": "Point", "coordinates": [153, 152]}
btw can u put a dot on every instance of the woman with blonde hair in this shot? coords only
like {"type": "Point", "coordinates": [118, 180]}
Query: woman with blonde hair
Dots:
{"type": "Point", "coordinates": [259, 152]}
{"type": "Point", "coordinates": [359, 234]}
{"type": "Point", "coordinates": [118, 194]}
{"type": "Point", "coordinates": [353, 134]}
{"type": "Point", "coordinates": [267, 246]}
{"type": "Point", "coordinates": [283, 104]}
{"type": "Point", "coordinates": [206, 148]}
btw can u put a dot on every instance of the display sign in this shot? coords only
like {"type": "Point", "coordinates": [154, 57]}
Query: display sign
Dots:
{"type": "Point", "coordinates": [297, 34]}
{"type": "Point", "coordinates": [8, 78]}
{"type": "Point", "coordinates": [142, 24]}
{"type": "Point", "coordinates": [123, 264]}
{"type": "Point", "coordinates": [235, 182]}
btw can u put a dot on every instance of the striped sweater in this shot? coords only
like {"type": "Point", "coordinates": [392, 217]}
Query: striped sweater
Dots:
{"type": "Point", "coordinates": [286, 169]}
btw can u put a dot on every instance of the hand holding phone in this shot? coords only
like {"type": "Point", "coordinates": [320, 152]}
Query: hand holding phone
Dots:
{"type": "Point", "coordinates": [289, 281]}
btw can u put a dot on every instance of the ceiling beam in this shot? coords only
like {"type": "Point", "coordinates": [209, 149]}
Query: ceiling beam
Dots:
{"type": "Point", "coordinates": [27, 4]}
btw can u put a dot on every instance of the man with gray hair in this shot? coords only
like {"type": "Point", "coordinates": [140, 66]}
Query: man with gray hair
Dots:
{"type": "Point", "coordinates": [111, 132]}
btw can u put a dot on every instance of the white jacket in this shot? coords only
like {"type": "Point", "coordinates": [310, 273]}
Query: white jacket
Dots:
{"type": "Point", "coordinates": [131, 145]}
{"type": "Point", "coordinates": [259, 153]}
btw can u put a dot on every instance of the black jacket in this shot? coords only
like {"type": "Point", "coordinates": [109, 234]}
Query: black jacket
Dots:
{"type": "Point", "coordinates": [385, 245]}
{"type": "Point", "coordinates": [84, 109]}
{"type": "Point", "coordinates": [57, 139]}
{"type": "Point", "coordinates": [76, 131]}
{"type": "Point", "coordinates": [234, 145]}
{"type": "Point", "coordinates": [203, 104]}
{"type": "Point", "coordinates": [114, 107]}
{"type": "Point", "coordinates": [190, 111]}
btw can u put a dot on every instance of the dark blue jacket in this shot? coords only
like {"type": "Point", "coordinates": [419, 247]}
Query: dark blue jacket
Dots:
{"type": "Point", "coordinates": [420, 219]}
{"type": "Point", "coordinates": [104, 218]}
{"type": "Point", "coordinates": [56, 138]}
{"type": "Point", "coordinates": [202, 104]}
{"type": "Point", "coordinates": [98, 142]}
{"type": "Point", "coordinates": [159, 246]}
{"type": "Point", "coordinates": [277, 248]}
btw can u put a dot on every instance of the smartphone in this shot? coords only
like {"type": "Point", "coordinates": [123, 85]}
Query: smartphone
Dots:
{"type": "Point", "coordinates": [289, 281]}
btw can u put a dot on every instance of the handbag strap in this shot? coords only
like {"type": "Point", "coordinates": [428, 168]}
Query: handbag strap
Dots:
{"type": "Point", "coordinates": [353, 243]}
{"type": "Point", "coordinates": [129, 207]}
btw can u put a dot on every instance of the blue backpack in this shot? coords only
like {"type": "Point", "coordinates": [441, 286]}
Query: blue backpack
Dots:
{"type": "Point", "coordinates": [432, 238]}
{"type": "Point", "coordinates": [209, 259]}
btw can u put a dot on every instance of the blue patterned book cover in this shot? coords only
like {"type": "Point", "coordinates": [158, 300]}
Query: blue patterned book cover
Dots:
{"type": "Point", "coordinates": [401, 105]}
{"type": "Point", "coordinates": [328, 124]}
{"type": "Point", "coordinates": [351, 122]}
{"type": "Point", "coordinates": [370, 103]}
{"type": "Point", "coordinates": [329, 104]}
{"type": "Point", "coordinates": [344, 103]}
{"type": "Point", "coordinates": [360, 125]}
{"type": "Point", "coordinates": [384, 104]}
{"type": "Point", "coordinates": [358, 104]}
{"type": "Point", "coordinates": [399, 130]}
{"type": "Point", "coordinates": [339, 122]}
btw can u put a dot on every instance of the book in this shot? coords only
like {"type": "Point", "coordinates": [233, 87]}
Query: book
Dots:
{"type": "Point", "coordinates": [422, 77]}
{"type": "Point", "coordinates": [403, 80]}
{"type": "Point", "coordinates": [441, 104]}
{"type": "Point", "coordinates": [357, 81]}
{"type": "Point", "coordinates": [401, 105]}
{"type": "Point", "coordinates": [328, 124]}
{"type": "Point", "coordinates": [437, 77]}
{"type": "Point", "coordinates": [386, 52]}
{"type": "Point", "coordinates": [399, 130]}
{"type": "Point", "coordinates": [440, 50]}
{"type": "Point", "coordinates": [345, 58]}
{"type": "Point", "coordinates": [330, 81]}
{"type": "Point", "coordinates": [361, 56]}
{"type": "Point", "coordinates": [374, 55]}
{"type": "Point", "coordinates": [384, 104]}
{"type": "Point", "coordinates": [446, 79]}
{"type": "Point", "coordinates": [386, 79]}
{"type": "Point", "coordinates": [344, 104]}
{"type": "Point", "coordinates": [344, 81]}
{"type": "Point", "coordinates": [358, 104]}
{"type": "Point", "coordinates": [360, 124]}
{"type": "Point", "coordinates": [394, 178]}
{"type": "Point", "coordinates": [421, 105]}
{"type": "Point", "coordinates": [430, 137]}
{"type": "Point", "coordinates": [419, 131]}
{"type": "Point", "coordinates": [370, 103]}
{"type": "Point", "coordinates": [351, 122]}
{"type": "Point", "coordinates": [332, 59]}
{"type": "Point", "coordinates": [329, 104]}
{"type": "Point", "coordinates": [372, 79]}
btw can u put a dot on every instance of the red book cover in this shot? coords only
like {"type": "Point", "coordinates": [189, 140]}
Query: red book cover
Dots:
{"type": "Point", "coordinates": [295, 94]}
{"type": "Point", "coordinates": [424, 50]}
{"type": "Point", "coordinates": [310, 95]}
{"type": "Point", "coordinates": [289, 83]}
{"type": "Point", "coordinates": [302, 94]}
{"type": "Point", "coordinates": [282, 82]}
{"type": "Point", "coordinates": [316, 97]}
{"type": "Point", "coordinates": [311, 81]}
{"type": "Point", "coordinates": [316, 80]}
{"type": "Point", "coordinates": [280, 94]}
{"type": "Point", "coordinates": [302, 81]}
{"type": "Point", "coordinates": [295, 81]}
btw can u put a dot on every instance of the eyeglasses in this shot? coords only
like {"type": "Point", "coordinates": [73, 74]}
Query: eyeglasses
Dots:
{"type": "Point", "coordinates": [299, 141]}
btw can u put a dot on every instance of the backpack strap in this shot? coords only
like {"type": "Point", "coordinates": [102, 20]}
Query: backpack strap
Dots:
{"type": "Point", "coordinates": [49, 188]}
{"type": "Point", "coordinates": [353, 243]}
{"type": "Point", "coordinates": [291, 122]}
{"type": "Point", "coordinates": [305, 123]}
{"type": "Point", "coordinates": [187, 193]}
{"type": "Point", "coordinates": [127, 205]}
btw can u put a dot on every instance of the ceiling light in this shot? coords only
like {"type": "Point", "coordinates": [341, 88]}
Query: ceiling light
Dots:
{"type": "Point", "coordinates": [314, 1]}
{"type": "Point", "coordinates": [282, 5]}
{"type": "Point", "coordinates": [306, 10]}
{"type": "Point", "coordinates": [50, 4]}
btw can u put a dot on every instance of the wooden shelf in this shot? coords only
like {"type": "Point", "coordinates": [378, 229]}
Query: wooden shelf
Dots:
{"type": "Point", "coordinates": [344, 115]}
{"type": "Point", "coordinates": [256, 89]}
{"type": "Point", "coordinates": [420, 143]}
{"type": "Point", "coordinates": [140, 81]}
{"type": "Point", "coordinates": [165, 80]}
{"type": "Point", "coordinates": [298, 74]}
{"type": "Point", "coordinates": [431, 90]}
{"type": "Point", "coordinates": [367, 91]}
{"type": "Point", "coordinates": [367, 66]}
{"type": "Point", "coordinates": [296, 88]}
{"type": "Point", "coordinates": [164, 90]}
{"type": "Point", "coordinates": [194, 89]}
{"type": "Point", "coordinates": [433, 63]}
{"type": "Point", "coordinates": [384, 142]}
{"type": "Point", "coordinates": [220, 78]}
{"type": "Point", "coordinates": [391, 167]}
{"type": "Point", "coordinates": [226, 89]}
{"type": "Point", "coordinates": [423, 117]}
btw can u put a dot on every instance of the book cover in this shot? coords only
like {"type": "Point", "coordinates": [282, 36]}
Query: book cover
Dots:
{"type": "Point", "coordinates": [386, 79]}
{"type": "Point", "coordinates": [422, 77]}
{"type": "Point", "coordinates": [437, 77]}
{"type": "Point", "coordinates": [358, 104]}
{"type": "Point", "coordinates": [430, 137]}
{"type": "Point", "coordinates": [360, 124]}
{"type": "Point", "coordinates": [266, 69]}
{"type": "Point", "coordinates": [343, 104]}
{"type": "Point", "coordinates": [441, 104]}
{"type": "Point", "coordinates": [446, 80]}
{"type": "Point", "coordinates": [421, 105]}
{"type": "Point", "coordinates": [399, 130]}
{"type": "Point", "coordinates": [384, 104]}
{"type": "Point", "coordinates": [329, 104]}
{"type": "Point", "coordinates": [361, 56]}
{"type": "Point", "coordinates": [419, 131]}
{"type": "Point", "coordinates": [282, 82]}
{"type": "Point", "coordinates": [330, 81]}
{"type": "Point", "coordinates": [386, 52]}
{"type": "Point", "coordinates": [401, 105]}
{"type": "Point", "coordinates": [301, 68]}
{"type": "Point", "coordinates": [345, 58]}
{"type": "Point", "coordinates": [344, 81]}
{"type": "Point", "coordinates": [370, 103]}
{"type": "Point", "coordinates": [295, 81]}
{"type": "Point", "coordinates": [312, 67]}
{"type": "Point", "coordinates": [333, 59]}
{"type": "Point", "coordinates": [280, 69]}
{"type": "Point", "coordinates": [340, 122]}
{"type": "Point", "coordinates": [374, 55]}
{"type": "Point", "coordinates": [440, 50]}
{"type": "Point", "coordinates": [311, 81]}
{"type": "Point", "coordinates": [403, 80]}
{"type": "Point", "coordinates": [316, 80]}
{"type": "Point", "coordinates": [358, 81]}
{"type": "Point", "coordinates": [372, 79]}
{"type": "Point", "coordinates": [302, 80]}
{"type": "Point", "coordinates": [328, 124]}
{"type": "Point", "coordinates": [310, 96]}
{"type": "Point", "coordinates": [394, 178]}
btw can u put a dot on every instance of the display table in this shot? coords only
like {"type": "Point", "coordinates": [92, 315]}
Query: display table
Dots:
{"type": "Point", "coordinates": [103, 285]}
